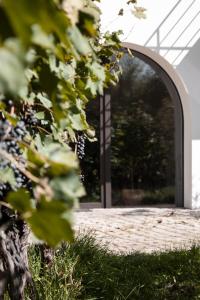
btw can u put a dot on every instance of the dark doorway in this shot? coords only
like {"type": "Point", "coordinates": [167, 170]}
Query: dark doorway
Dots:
{"type": "Point", "coordinates": [139, 124]}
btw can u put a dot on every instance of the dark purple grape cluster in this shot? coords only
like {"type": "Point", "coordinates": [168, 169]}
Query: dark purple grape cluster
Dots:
{"type": "Point", "coordinates": [10, 135]}
{"type": "Point", "coordinates": [29, 117]}
{"type": "Point", "coordinates": [4, 189]}
{"type": "Point", "coordinates": [81, 145]}
{"type": "Point", "coordinates": [9, 138]}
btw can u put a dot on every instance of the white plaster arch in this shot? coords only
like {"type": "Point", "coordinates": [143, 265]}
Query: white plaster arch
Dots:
{"type": "Point", "coordinates": [187, 119]}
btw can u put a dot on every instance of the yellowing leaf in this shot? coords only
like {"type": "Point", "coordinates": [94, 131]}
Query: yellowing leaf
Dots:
{"type": "Point", "coordinates": [139, 12]}
{"type": "Point", "coordinates": [72, 7]}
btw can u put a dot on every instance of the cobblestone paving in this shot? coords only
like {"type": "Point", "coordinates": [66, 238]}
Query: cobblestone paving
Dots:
{"type": "Point", "coordinates": [141, 229]}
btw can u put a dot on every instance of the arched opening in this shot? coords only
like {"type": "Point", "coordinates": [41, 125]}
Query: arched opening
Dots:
{"type": "Point", "coordinates": [141, 139]}
{"type": "Point", "coordinates": [146, 136]}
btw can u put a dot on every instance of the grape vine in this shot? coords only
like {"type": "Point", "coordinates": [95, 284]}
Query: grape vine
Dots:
{"type": "Point", "coordinates": [52, 58]}
{"type": "Point", "coordinates": [56, 65]}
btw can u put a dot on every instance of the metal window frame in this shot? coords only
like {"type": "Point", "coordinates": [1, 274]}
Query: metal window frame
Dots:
{"type": "Point", "coordinates": [105, 148]}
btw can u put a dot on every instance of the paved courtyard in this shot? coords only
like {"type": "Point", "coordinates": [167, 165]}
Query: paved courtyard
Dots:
{"type": "Point", "coordinates": [141, 229]}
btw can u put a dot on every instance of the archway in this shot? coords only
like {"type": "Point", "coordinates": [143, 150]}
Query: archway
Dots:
{"type": "Point", "coordinates": [178, 94]}
{"type": "Point", "coordinates": [187, 119]}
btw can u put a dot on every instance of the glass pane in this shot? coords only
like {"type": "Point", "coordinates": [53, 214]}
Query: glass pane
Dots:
{"type": "Point", "coordinates": [143, 137]}
{"type": "Point", "coordinates": [90, 165]}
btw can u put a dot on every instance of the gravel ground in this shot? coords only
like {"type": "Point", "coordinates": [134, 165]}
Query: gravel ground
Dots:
{"type": "Point", "coordinates": [141, 229]}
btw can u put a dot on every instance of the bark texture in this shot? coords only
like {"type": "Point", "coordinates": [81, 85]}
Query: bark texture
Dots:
{"type": "Point", "coordinates": [14, 269]}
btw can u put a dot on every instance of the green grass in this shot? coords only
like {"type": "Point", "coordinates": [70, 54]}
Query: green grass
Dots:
{"type": "Point", "coordinates": [84, 270]}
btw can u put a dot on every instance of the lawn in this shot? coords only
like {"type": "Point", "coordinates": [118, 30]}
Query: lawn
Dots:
{"type": "Point", "coordinates": [84, 270]}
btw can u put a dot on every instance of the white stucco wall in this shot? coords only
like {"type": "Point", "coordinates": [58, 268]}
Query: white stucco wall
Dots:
{"type": "Point", "coordinates": [189, 69]}
{"type": "Point", "coordinates": [172, 29]}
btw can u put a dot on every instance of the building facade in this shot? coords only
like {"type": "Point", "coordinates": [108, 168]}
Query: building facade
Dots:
{"type": "Point", "coordinates": [168, 40]}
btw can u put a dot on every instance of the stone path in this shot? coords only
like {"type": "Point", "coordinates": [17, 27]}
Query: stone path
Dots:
{"type": "Point", "coordinates": [141, 229]}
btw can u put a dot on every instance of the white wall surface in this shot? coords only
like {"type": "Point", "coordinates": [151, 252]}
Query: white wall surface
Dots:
{"type": "Point", "coordinates": [172, 29]}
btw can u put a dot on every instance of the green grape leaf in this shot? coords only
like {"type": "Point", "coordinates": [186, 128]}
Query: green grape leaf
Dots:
{"type": "Point", "coordinates": [40, 115]}
{"type": "Point", "coordinates": [78, 122]}
{"type": "Point", "coordinates": [79, 41]}
{"type": "Point", "coordinates": [67, 187]}
{"type": "Point", "coordinates": [49, 224]}
{"type": "Point", "coordinates": [7, 176]}
{"type": "Point", "coordinates": [20, 201]}
{"type": "Point", "coordinates": [12, 72]}
{"type": "Point", "coordinates": [44, 100]}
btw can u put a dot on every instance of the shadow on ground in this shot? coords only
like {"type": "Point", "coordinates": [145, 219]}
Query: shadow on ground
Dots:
{"type": "Point", "coordinates": [85, 270]}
